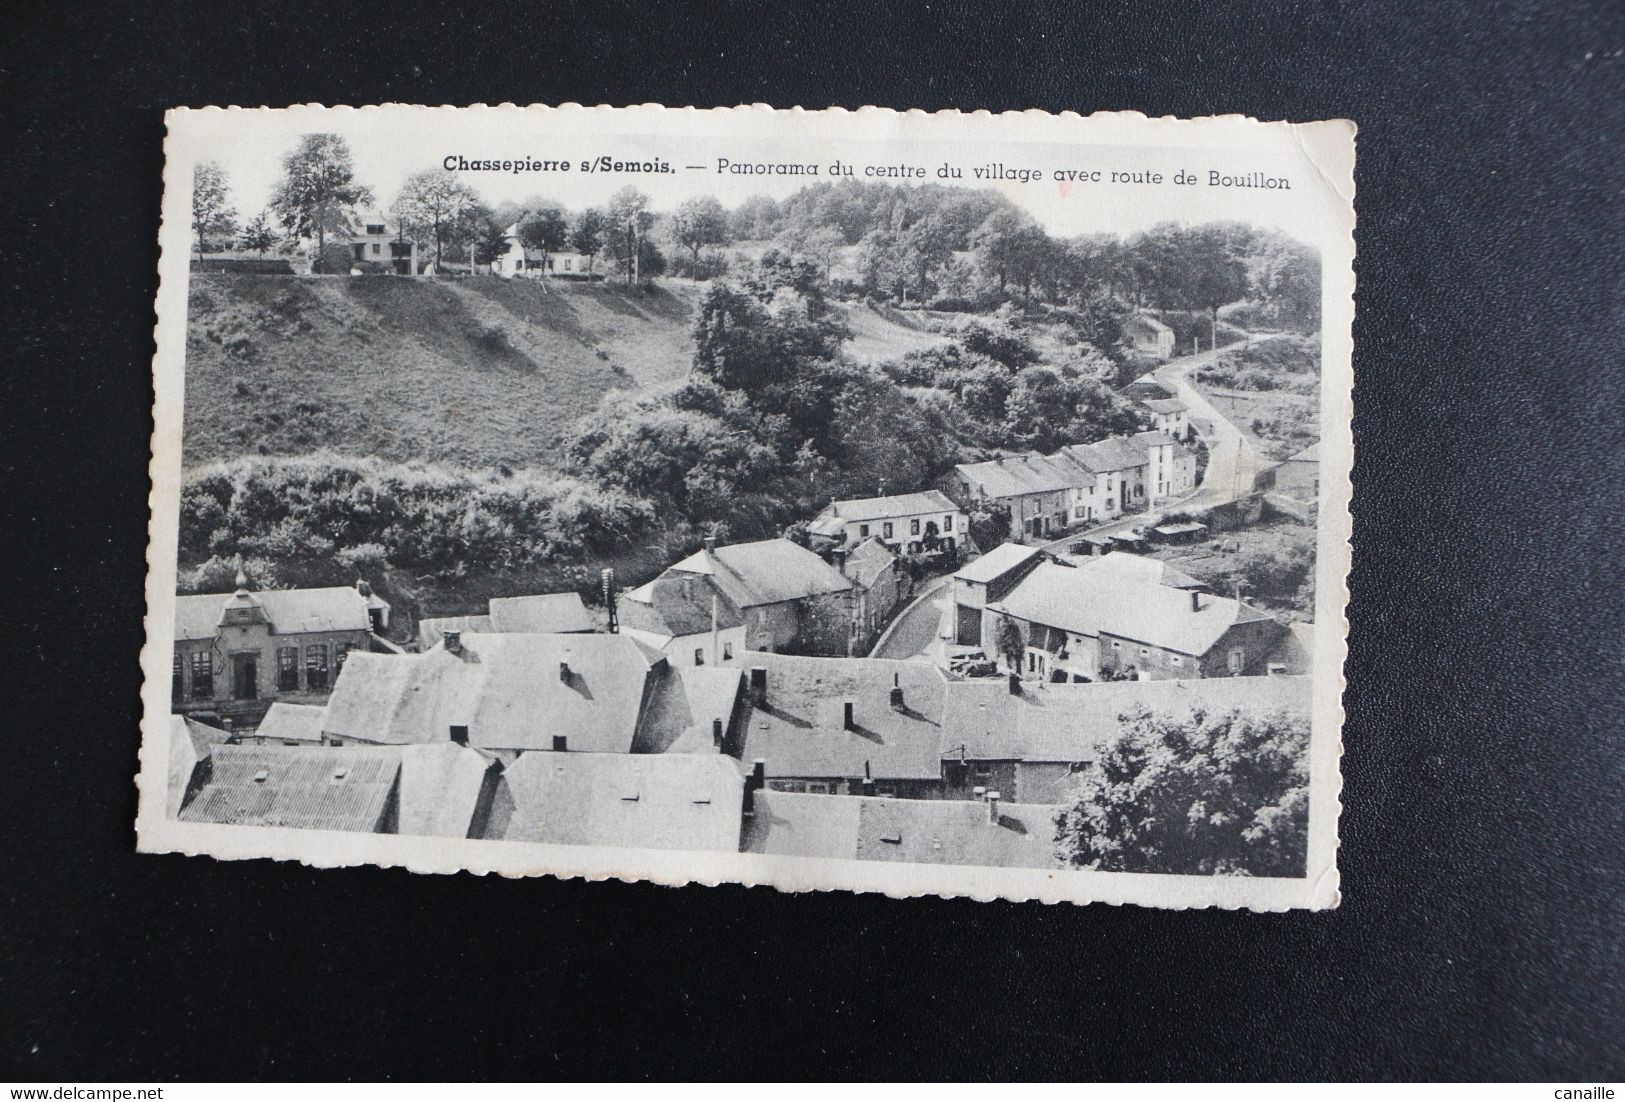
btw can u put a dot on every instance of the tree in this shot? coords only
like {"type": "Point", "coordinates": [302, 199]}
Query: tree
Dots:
{"type": "Point", "coordinates": [629, 221]}
{"type": "Point", "coordinates": [1214, 274]}
{"type": "Point", "coordinates": [1207, 793]}
{"type": "Point", "coordinates": [929, 243]}
{"type": "Point", "coordinates": [698, 223]}
{"type": "Point", "coordinates": [544, 231]}
{"type": "Point", "coordinates": [989, 524]}
{"type": "Point", "coordinates": [259, 234]}
{"type": "Point", "coordinates": [492, 240]}
{"type": "Point", "coordinates": [587, 235]}
{"type": "Point", "coordinates": [317, 188]}
{"type": "Point", "coordinates": [212, 211]}
{"type": "Point", "coordinates": [437, 204]}
{"type": "Point", "coordinates": [1008, 641]}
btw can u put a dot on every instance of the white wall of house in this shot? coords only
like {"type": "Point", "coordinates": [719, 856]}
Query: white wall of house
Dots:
{"type": "Point", "coordinates": [907, 528]}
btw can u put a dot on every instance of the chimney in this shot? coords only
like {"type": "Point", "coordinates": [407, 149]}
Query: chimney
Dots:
{"type": "Point", "coordinates": [1196, 600]}
{"type": "Point", "coordinates": [758, 685]}
{"type": "Point", "coordinates": [839, 555]}
{"type": "Point", "coordinates": [896, 694]}
{"type": "Point", "coordinates": [716, 732]}
{"type": "Point", "coordinates": [1015, 684]}
{"type": "Point", "coordinates": [459, 734]}
{"type": "Point", "coordinates": [868, 786]}
{"type": "Point", "coordinates": [880, 488]}
{"type": "Point", "coordinates": [754, 783]}
{"type": "Point", "coordinates": [564, 672]}
{"type": "Point", "coordinates": [454, 641]}
{"type": "Point", "coordinates": [711, 544]}
{"type": "Point", "coordinates": [847, 721]}
{"type": "Point", "coordinates": [606, 579]}
{"type": "Point", "coordinates": [561, 743]}
{"type": "Point", "coordinates": [978, 793]}
{"type": "Point", "coordinates": [993, 807]}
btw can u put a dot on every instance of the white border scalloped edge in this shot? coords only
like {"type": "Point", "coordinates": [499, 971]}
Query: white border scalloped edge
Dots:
{"type": "Point", "coordinates": [1328, 147]}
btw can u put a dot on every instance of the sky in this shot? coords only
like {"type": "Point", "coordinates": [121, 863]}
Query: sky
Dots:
{"type": "Point", "coordinates": [389, 144]}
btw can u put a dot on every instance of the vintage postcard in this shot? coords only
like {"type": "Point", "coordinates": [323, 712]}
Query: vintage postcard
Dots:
{"type": "Point", "coordinates": [949, 504]}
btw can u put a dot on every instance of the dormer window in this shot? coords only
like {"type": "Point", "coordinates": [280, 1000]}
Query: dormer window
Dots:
{"type": "Point", "coordinates": [376, 229]}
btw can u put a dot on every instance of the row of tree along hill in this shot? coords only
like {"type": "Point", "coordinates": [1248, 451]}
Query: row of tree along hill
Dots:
{"type": "Point", "coordinates": [947, 247]}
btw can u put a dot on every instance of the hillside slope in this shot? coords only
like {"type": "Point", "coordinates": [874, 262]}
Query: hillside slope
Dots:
{"type": "Point", "coordinates": [476, 371]}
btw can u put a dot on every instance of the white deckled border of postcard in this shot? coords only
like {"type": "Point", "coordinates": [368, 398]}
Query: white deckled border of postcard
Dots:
{"type": "Point", "coordinates": [1326, 149]}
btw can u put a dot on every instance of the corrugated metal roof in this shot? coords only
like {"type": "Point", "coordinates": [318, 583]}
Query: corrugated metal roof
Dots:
{"type": "Point", "coordinates": [765, 572]}
{"type": "Point", "coordinates": [326, 788]}
{"type": "Point", "coordinates": [1089, 600]}
{"type": "Point", "coordinates": [800, 732]}
{"type": "Point", "coordinates": [291, 611]}
{"type": "Point", "coordinates": [894, 505]}
{"type": "Point", "coordinates": [635, 801]}
{"type": "Point", "coordinates": [1071, 723]}
{"type": "Point", "coordinates": [505, 688]}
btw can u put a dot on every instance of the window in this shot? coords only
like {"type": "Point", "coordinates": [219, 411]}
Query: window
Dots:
{"type": "Point", "coordinates": [1145, 653]}
{"type": "Point", "coordinates": [947, 524]}
{"type": "Point", "coordinates": [177, 687]}
{"type": "Point", "coordinates": [699, 656]}
{"type": "Point", "coordinates": [567, 264]}
{"type": "Point", "coordinates": [377, 250]}
{"type": "Point", "coordinates": [727, 651]}
{"type": "Point", "coordinates": [914, 527]}
{"type": "Point", "coordinates": [202, 675]}
{"type": "Point", "coordinates": [863, 531]}
{"type": "Point", "coordinates": [1116, 645]}
{"type": "Point", "coordinates": [316, 667]}
{"type": "Point", "coordinates": [287, 669]}
{"type": "Point", "coordinates": [885, 530]}
{"type": "Point", "coordinates": [1176, 662]}
{"type": "Point", "coordinates": [1238, 659]}
{"type": "Point", "coordinates": [373, 227]}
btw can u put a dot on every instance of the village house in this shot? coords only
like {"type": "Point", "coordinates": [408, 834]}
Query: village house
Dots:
{"type": "Point", "coordinates": [508, 693]}
{"type": "Point", "coordinates": [539, 613]}
{"type": "Point", "coordinates": [910, 524]}
{"type": "Point", "coordinates": [375, 248]}
{"type": "Point", "coordinates": [984, 580]}
{"type": "Point", "coordinates": [865, 726]}
{"type": "Point", "coordinates": [1170, 415]}
{"type": "Point", "coordinates": [1035, 488]}
{"type": "Point", "coordinates": [1146, 336]}
{"type": "Point", "coordinates": [1029, 741]}
{"type": "Point", "coordinates": [790, 598]}
{"type": "Point", "coordinates": [1124, 615]}
{"type": "Point", "coordinates": [987, 832]}
{"type": "Point", "coordinates": [635, 801]}
{"type": "Point", "coordinates": [1292, 486]}
{"type": "Point", "coordinates": [684, 616]}
{"type": "Point", "coordinates": [525, 263]}
{"type": "Point", "coordinates": [235, 653]}
{"type": "Point", "coordinates": [1123, 473]}
{"type": "Point", "coordinates": [880, 582]}
{"type": "Point", "coordinates": [288, 725]}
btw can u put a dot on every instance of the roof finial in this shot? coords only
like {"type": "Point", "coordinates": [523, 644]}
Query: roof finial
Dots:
{"type": "Point", "coordinates": [242, 578]}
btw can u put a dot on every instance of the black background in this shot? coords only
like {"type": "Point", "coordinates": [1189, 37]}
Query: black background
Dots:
{"type": "Point", "coordinates": [1480, 931]}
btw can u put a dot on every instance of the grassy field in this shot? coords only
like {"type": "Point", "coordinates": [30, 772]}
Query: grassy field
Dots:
{"type": "Point", "coordinates": [1270, 389]}
{"type": "Point", "coordinates": [884, 334]}
{"type": "Point", "coordinates": [477, 371]}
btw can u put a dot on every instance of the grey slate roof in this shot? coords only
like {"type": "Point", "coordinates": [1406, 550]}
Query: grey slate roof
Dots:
{"type": "Point", "coordinates": [997, 562]}
{"type": "Point", "coordinates": [1072, 723]}
{"type": "Point", "coordinates": [800, 731]}
{"type": "Point", "coordinates": [893, 505]}
{"type": "Point", "coordinates": [765, 572]}
{"type": "Point", "coordinates": [1102, 596]}
{"type": "Point", "coordinates": [291, 611]}
{"type": "Point", "coordinates": [1164, 405]}
{"type": "Point", "coordinates": [286, 722]}
{"type": "Point", "coordinates": [505, 688]}
{"type": "Point", "coordinates": [637, 801]}
{"type": "Point", "coordinates": [1014, 476]}
{"type": "Point", "coordinates": [930, 832]}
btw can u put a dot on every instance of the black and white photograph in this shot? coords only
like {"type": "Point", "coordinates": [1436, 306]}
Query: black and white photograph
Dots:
{"type": "Point", "coordinates": [828, 502]}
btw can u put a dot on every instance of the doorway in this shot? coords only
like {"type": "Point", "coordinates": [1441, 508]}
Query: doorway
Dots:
{"type": "Point", "coordinates": [245, 676]}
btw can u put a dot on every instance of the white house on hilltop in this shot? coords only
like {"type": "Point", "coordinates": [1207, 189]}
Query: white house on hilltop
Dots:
{"type": "Point", "coordinates": [529, 263]}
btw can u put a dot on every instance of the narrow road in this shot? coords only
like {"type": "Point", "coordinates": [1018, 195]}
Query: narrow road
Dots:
{"type": "Point", "coordinates": [1232, 461]}
{"type": "Point", "coordinates": [914, 633]}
